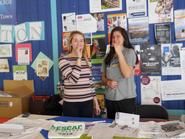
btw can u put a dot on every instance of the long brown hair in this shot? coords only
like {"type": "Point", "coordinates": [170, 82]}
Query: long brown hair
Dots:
{"type": "Point", "coordinates": [126, 44]}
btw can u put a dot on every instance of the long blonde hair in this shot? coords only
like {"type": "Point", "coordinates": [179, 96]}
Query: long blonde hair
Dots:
{"type": "Point", "coordinates": [84, 52]}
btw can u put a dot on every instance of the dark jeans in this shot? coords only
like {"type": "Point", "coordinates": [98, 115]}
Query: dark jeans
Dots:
{"type": "Point", "coordinates": [125, 105]}
{"type": "Point", "coordinates": [78, 109]}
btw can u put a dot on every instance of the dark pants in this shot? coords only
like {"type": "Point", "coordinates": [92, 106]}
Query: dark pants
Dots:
{"type": "Point", "coordinates": [125, 105]}
{"type": "Point", "coordinates": [78, 109]}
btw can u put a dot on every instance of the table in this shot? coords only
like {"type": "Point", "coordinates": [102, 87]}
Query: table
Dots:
{"type": "Point", "coordinates": [44, 134]}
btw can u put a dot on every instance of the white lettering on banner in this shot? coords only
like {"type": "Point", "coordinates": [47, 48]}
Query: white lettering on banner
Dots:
{"type": "Point", "coordinates": [22, 32]}
{"type": "Point", "coordinates": [5, 2]}
{"type": "Point", "coordinates": [35, 31]}
{"type": "Point", "coordinates": [6, 33]}
{"type": "Point", "coordinates": [5, 16]}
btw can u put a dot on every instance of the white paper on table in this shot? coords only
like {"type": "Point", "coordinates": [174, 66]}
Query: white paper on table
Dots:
{"type": "Point", "coordinates": [149, 130]}
{"type": "Point", "coordinates": [130, 120]}
{"type": "Point", "coordinates": [31, 123]}
{"type": "Point", "coordinates": [30, 133]}
{"type": "Point", "coordinates": [108, 131]}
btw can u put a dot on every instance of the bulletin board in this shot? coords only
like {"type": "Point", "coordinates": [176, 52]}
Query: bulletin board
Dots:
{"type": "Point", "coordinates": [31, 11]}
{"type": "Point", "coordinates": [41, 10]}
{"type": "Point", "coordinates": [82, 7]}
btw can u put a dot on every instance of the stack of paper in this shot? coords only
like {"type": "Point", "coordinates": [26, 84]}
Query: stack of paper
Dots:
{"type": "Point", "coordinates": [4, 94]}
{"type": "Point", "coordinates": [108, 131]}
{"type": "Point", "coordinates": [11, 129]}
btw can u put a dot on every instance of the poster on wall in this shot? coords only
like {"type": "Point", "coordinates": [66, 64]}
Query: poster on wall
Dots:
{"type": "Point", "coordinates": [100, 21]}
{"type": "Point", "coordinates": [98, 47]}
{"type": "Point", "coordinates": [104, 5]}
{"type": "Point", "coordinates": [20, 72]}
{"type": "Point", "coordinates": [138, 30]}
{"type": "Point", "coordinates": [65, 41]}
{"type": "Point", "coordinates": [173, 90]}
{"type": "Point", "coordinates": [68, 22]}
{"type": "Point", "coordinates": [171, 59]}
{"type": "Point", "coordinates": [151, 90]}
{"type": "Point", "coordinates": [5, 50]}
{"type": "Point", "coordinates": [88, 51]}
{"type": "Point", "coordinates": [137, 69]}
{"type": "Point", "coordinates": [4, 66]}
{"type": "Point", "coordinates": [41, 55]}
{"type": "Point", "coordinates": [23, 53]}
{"type": "Point", "coordinates": [162, 33]}
{"type": "Point", "coordinates": [96, 73]}
{"type": "Point", "coordinates": [114, 20]}
{"type": "Point", "coordinates": [7, 11]}
{"type": "Point", "coordinates": [23, 56]}
{"type": "Point", "coordinates": [182, 56]}
{"type": "Point", "coordinates": [136, 8]}
{"type": "Point", "coordinates": [180, 25]}
{"type": "Point", "coordinates": [42, 68]}
{"type": "Point", "coordinates": [160, 11]}
{"type": "Point", "coordinates": [97, 70]}
{"type": "Point", "coordinates": [86, 23]}
{"type": "Point", "coordinates": [88, 38]}
{"type": "Point", "coordinates": [150, 59]}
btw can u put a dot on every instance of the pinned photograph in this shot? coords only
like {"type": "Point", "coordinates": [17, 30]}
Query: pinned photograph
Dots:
{"type": "Point", "coordinates": [5, 50]}
{"type": "Point", "coordinates": [68, 22]}
{"type": "Point", "coordinates": [179, 25]}
{"type": "Point", "coordinates": [100, 21]}
{"type": "Point", "coordinates": [104, 5]}
{"type": "Point", "coordinates": [4, 66]}
{"type": "Point", "coordinates": [42, 67]}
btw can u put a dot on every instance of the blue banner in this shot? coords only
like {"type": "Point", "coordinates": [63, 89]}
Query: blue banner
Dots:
{"type": "Point", "coordinates": [7, 11]}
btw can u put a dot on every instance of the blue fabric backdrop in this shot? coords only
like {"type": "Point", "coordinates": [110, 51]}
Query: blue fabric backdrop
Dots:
{"type": "Point", "coordinates": [40, 10]}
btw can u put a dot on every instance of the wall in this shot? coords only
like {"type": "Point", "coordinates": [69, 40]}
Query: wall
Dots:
{"type": "Point", "coordinates": [27, 11]}
{"type": "Point", "coordinates": [41, 10]}
{"type": "Point", "coordinates": [82, 7]}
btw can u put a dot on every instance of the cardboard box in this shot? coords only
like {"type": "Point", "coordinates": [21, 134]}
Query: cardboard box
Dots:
{"type": "Point", "coordinates": [21, 91]}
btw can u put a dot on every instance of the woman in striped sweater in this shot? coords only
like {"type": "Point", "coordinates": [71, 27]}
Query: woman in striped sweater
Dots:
{"type": "Point", "coordinates": [79, 91]}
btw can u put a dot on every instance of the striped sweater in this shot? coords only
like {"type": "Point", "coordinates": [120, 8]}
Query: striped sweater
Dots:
{"type": "Point", "coordinates": [78, 84]}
